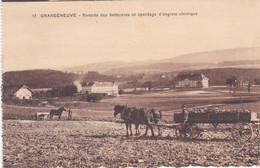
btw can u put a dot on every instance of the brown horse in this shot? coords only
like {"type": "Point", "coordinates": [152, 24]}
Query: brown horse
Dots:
{"type": "Point", "coordinates": [57, 112]}
{"type": "Point", "coordinates": [125, 115]}
{"type": "Point", "coordinates": [138, 116]}
{"type": "Point", "coordinates": [147, 116]}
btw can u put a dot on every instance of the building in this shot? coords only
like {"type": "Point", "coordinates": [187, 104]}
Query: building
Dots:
{"type": "Point", "coordinates": [243, 84]}
{"type": "Point", "coordinates": [109, 88]}
{"type": "Point", "coordinates": [24, 93]}
{"type": "Point", "coordinates": [192, 80]}
{"type": "Point", "coordinates": [41, 92]}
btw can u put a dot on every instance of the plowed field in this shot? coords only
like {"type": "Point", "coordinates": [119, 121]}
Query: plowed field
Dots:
{"type": "Point", "coordinates": [100, 143]}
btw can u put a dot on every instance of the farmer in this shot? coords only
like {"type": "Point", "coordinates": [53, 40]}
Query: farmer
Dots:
{"type": "Point", "coordinates": [185, 116]}
{"type": "Point", "coordinates": [69, 114]}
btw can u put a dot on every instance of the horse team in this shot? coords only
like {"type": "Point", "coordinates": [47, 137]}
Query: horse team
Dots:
{"type": "Point", "coordinates": [138, 116]}
{"type": "Point", "coordinates": [129, 115]}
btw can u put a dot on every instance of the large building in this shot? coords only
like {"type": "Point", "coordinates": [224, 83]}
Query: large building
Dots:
{"type": "Point", "coordinates": [192, 80]}
{"type": "Point", "coordinates": [109, 88]}
{"type": "Point", "coordinates": [24, 93]}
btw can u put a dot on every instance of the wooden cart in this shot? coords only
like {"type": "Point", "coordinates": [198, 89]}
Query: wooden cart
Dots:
{"type": "Point", "coordinates": [244, 126]}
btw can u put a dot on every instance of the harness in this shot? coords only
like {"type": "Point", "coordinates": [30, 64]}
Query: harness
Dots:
{"type": "Point", "coordinates": [125, 117]}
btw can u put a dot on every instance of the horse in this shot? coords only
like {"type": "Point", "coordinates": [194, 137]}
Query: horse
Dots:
{"type": "Point", "coordinates": [125, 115]}
{"type": "Point", "coordinates": [146, 116]}
{"type": "Point", "coordinates": [57, 112]}
{"type": "Point", "coordinates": [138, 116]}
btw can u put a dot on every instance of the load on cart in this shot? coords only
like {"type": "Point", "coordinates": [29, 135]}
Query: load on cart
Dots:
{"type": "Point", "coordinates": [243, 125]}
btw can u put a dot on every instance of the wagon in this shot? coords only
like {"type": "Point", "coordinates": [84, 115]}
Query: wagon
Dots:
{"type": "Point", "coordinates": [244, 126]}
{"type": "Point", "coordinates": [42, 115]}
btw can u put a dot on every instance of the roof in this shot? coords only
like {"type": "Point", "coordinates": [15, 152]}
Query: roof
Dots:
{"type": "Point", "coordinates": [191, 76]}
{"type": "Point", "coordinates": [41, 89]}
{"type": "Point", "coordinates": [101, 84]}
{"type": "Point", "coordinates": [25, 87]}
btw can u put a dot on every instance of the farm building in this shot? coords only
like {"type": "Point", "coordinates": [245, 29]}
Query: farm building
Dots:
{"type": "Point", "coordinates": [243, 84]}
{"type": "Point", "coordinates": [24, 93]}
{"type": "Point", "coordinates": [109, 88]}
{"type": "Point", "coordinates": [192, 80]}
{"type": "Point", "coordinates": [41, 92]}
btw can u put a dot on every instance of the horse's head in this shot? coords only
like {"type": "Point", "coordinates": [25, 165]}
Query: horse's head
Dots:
{"type": "Point", "coordinates": [62, 109]}
{"type": "Point", "coordinates": [119, 109]}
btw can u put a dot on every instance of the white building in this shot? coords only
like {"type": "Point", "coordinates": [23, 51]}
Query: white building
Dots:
{"type": "Point", "coordinates": [192, 81]}
{"type": "Point", "coordinates": [24, 93]}
{"type": "Point", "coordinates": [109, 88]}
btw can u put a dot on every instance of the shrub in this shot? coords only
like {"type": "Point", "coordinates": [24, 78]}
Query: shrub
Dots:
{"type": "Point", "coordinates": [121, 91]}
{"type": "Point", "coordinates": [95, 97]}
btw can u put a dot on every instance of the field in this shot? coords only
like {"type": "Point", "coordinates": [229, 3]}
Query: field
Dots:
{"type": "Point", "coordinates": [98, 143]}
{"type": "Point", "coordinates": [168, 102]}
{"type": "Point", "coordinates": [95, 138]}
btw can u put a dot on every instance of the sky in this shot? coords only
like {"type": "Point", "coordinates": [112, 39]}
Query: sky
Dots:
{"type": "Point", "coordinates": [44, 42]}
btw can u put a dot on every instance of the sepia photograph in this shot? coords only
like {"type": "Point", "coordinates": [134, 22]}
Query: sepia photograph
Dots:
{"type": "Point", "coordinates": [131, 84]}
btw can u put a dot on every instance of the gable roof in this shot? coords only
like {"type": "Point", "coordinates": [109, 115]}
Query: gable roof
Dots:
{"type": "Point", "coordinates": [191, 76]}
{"type": "Point", "coordinates": [100, 84]}
{"type": "Point", "coordinates": [41, 89]}
{"type": "Point", "coordinates": [25, 87]}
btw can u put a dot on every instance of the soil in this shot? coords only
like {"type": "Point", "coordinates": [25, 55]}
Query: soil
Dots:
{"type": "Point", "coordinates": [28, 143]}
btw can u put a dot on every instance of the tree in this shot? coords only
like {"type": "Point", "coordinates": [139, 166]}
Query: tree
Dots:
{"type": "Point", "coordinates": [134, 84]}
{"type": "Point", "coordinates": [232, 82]}
{"type": "Point", "coordinates": [175, 82]}
{"type": "Point", "coordinates": [94, 97]}
{"type": "Point", "coordinates": [248, 87]}
{"type": "Point", "coordinates": [148, 84]}
{"type": "Point", "coordinates": [257, 81]}
{"type": "Point", "coordinates": [69, 90]}
{"type": "Point", "coordinates": [199, 84]}
{"type": "Point", "coordinates": [121, 91]}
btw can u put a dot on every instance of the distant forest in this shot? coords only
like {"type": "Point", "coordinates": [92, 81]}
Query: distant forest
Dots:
{"type": "Point", "coordinates": [38, 78]}
{"type": "Point", "coordinates": [13, 80]}
{"type": "Point", "coordinates": [220, 75]}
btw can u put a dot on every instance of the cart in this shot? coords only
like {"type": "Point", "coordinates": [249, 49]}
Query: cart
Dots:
{"type": "Point", "coordinates": [244, 126]}
{"type": "Point", "coordinates": [42, 115]}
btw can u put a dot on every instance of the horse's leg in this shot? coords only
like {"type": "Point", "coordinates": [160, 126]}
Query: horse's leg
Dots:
{"type": "Point", "coordinates": [136, 129]}
{"type": "Point", "coordinates": [152, 130]}
{"type": "Point", "coordinates": [146, 130]}
{"type": "Point", "coordinates": [130, 127]}
{"type": "Point", "coordinates": [126, 125]}
{"type": "Point", "coordinates": [159, 131]}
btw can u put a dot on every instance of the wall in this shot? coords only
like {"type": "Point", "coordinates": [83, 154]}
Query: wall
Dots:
{"type": "Point", "coordinates": [23, 93]}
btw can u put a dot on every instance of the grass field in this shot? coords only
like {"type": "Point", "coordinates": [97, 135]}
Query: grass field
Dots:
{"type": "Point", "coordinates": [168, 102]}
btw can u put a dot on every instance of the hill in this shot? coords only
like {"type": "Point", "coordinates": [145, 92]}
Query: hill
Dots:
{"type": "Point", "coordinates": [239, 57]}
{"type": "Point", "coordinates": [219, 76]}
{"type": "Point", "coordinates": [103, 66]}
{"type": "Point", "coordinates": [37, 78]}
{"type": "Point", "coordinates": [218, 56]}
{"type": "Point", "coordinates": [157, 68]}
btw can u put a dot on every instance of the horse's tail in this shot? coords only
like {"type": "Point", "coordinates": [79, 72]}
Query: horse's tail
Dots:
{"type": "Point", "coordinates": [157, 115]}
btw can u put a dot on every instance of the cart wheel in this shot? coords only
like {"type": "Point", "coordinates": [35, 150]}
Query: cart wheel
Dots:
{"type": "Point", "coordinates": [192, 131]}
{"type": "Point", "coordinates": [242, 132]}
{"type": "Point", "coordinates": [178, 131]}
{"type": "Point", "coordinates": [256, 131]}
